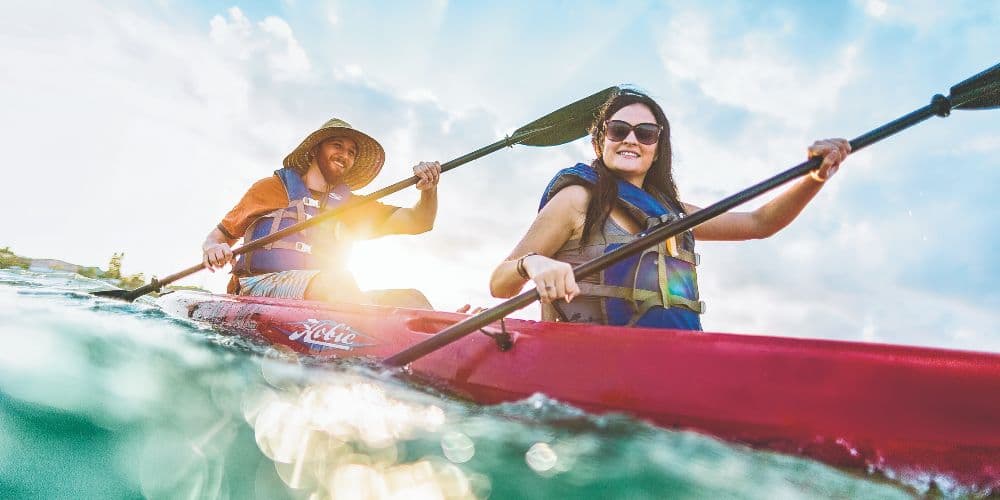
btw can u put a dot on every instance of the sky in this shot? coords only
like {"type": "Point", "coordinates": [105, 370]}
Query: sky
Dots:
{"type": "Point", "coordinates": [135, 127]}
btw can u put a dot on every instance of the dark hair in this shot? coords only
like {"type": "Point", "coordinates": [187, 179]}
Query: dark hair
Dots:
{"type": "Point", "coordinates": [659, 180]}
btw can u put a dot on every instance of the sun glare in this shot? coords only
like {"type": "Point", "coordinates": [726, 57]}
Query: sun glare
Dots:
{"type": "Point", "coordinates": [394, 263]}
{"type": "Point", "coordinates": [377, 265]}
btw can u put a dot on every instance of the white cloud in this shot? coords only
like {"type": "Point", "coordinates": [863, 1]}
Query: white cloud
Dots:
{"type": "Point", "coordinates": [332, 15]}
{"type": "Point", "coordinates": [232, 32]}
{"type": "Point", "coordinates": [981, 144]}
{"type": "Point", "coordinates": [876, 8]}
{"type": "Point", "coordinates": [289, 60]}
{"type": "Point", "coordinates": [272, 40]}
{"type": "Point", "coordinates": [924, 15]}
{"type": "Point", "coordinates": [754, 71]}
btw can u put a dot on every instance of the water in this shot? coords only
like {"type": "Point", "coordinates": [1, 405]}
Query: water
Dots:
{"type": "Point", "coordinates": [103, 399]}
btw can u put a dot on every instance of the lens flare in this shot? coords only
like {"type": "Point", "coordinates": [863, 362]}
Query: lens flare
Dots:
{"type": "Point", "coordinates": [343, 440]}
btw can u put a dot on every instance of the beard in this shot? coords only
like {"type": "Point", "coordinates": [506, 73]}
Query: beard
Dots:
{"type": "Point", "coordinates": [332, 175]}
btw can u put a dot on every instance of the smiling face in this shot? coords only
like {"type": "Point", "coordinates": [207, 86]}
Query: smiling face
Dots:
{"type": "Point", "coordinates": [335, 156]}
{"type": "Point", "coordinates": [629, 158]}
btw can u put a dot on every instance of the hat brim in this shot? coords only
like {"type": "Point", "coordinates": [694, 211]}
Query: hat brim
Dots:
{"type": "Point", "coordinates": [367, 164]}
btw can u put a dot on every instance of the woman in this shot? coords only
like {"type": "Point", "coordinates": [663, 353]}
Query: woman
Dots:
{"type": "Point", "coordinates": [590, 210]}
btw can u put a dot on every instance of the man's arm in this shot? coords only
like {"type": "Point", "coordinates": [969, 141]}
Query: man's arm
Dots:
{"type": "Point", "coordinates": [264, 196]}
{"type": "Point", "coordinates": [419, 218]}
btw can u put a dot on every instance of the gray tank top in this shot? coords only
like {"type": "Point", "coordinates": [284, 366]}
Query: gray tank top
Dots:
{"type": "Point", "coordinates": [587, 309]}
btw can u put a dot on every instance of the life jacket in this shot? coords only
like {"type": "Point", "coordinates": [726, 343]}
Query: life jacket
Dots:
{"type": "Point", "coordinates": [300, 250]}
{"type": "Point", "coordinates": [657, 288]}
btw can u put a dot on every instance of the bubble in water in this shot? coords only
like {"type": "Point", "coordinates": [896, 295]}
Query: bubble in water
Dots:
{"type": "Point", "coordinates": [457, 447]}
{"type": "Point", "coordinates": [541, 457]}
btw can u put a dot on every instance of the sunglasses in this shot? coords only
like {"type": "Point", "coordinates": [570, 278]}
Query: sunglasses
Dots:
{"type": "Point", "coordinates": [645, 133]}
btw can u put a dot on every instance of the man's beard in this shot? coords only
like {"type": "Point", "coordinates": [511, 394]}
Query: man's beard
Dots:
{"type": "Point", "coordinates": [332, 178]}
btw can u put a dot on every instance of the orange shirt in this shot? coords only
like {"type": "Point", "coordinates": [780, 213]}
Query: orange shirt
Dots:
{"type": "Point", "coordinates": [268, 195]}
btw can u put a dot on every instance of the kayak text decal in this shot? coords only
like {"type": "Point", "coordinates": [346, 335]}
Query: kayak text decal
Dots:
{"type": "Point", "coordinates": [327, 333]}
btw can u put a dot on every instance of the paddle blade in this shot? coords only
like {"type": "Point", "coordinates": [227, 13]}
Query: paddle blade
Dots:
{"type": "Point", "coordinates": [565, 124]}
{"type": "Point", "coordinates": [115, 294]}
{"type": "Point", "coordinates": [981, 91]}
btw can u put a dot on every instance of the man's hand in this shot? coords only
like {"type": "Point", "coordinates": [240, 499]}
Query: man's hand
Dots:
{"type": "Point", "coordinates": [429, 173]}
{"type": "Point", "coordinates": [216, 251]}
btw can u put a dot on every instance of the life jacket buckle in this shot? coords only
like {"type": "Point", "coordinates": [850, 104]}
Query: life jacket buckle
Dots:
{"type": "Point", "coordinates": [309, 202]}
{"type": "Point", "coordinates": [652, 222]}
{"type": "Point", "coordinates": [302, 247]}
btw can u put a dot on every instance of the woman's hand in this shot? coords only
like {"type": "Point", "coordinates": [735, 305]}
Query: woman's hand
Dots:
{"type": "Point", "coordinates": [833, 152]}
{"type": "Point", "coordinates": [554, 279]}
{"type": "Point", "coordinates": [468, 309]}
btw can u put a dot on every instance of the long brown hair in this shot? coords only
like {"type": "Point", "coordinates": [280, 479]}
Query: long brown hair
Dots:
{"type": "Point", "coordinates": [659, 180]}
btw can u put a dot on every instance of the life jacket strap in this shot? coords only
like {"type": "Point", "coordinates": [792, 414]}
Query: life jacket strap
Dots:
{"type": "Point", "coordinates": [275, 225]}
{"type": "Point", "coordinates": [640, 297]}
{"type": "Point", "coordinates": [610, 239]}
{"type": "Point", "coordinates": [670, 299]}
{"type": "Point", "coordinates": [298, 246]}
{"type": "Point", "coordinates": [616, 292]}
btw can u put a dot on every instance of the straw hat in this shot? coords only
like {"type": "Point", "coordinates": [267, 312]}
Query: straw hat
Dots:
{"type": "Point", "coordinates": [366, 166]}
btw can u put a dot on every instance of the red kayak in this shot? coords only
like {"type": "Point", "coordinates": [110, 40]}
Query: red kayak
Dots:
{"type": "Point", "coordinates": [913, 413]}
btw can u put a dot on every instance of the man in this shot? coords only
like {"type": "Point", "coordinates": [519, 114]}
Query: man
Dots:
{"type": "Point", "coordinates": [318, 175]}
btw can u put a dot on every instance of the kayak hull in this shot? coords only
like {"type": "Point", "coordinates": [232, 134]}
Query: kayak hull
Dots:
{"type": "Point", "coordinates": [916, 414]}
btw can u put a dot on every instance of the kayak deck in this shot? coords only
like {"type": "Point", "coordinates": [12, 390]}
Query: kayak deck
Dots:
{"type": "Point", "coordinates": [917, 414]}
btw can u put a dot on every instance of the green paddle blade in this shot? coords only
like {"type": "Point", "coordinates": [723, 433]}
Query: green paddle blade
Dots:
{"type": "Point", "coordinates": [565, 124]}
{"type": "Point", "coordinates": [981, 91]}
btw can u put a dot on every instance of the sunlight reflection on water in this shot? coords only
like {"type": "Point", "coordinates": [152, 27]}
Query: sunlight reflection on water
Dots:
{"type": "Point", "coordinates": [343, 439]}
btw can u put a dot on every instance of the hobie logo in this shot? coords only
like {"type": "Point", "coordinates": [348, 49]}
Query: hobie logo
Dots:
{"type": "Point", "coordinates": [327, 333]}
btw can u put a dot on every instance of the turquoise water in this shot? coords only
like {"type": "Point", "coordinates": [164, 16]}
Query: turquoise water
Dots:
{"type": "Point", "coordinates": [103, 399]}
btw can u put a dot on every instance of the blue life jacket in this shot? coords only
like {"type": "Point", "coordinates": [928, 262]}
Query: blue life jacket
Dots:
{"type": "Point", "coordinates": [300, 250]}
{"type": "Point", "coordinates": [657, 288]}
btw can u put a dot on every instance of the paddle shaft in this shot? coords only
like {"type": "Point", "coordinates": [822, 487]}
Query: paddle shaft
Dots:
{"type": "Point", "coordinates": [939, 105]}
{"type": "Point", "coordinates": [354, 202]}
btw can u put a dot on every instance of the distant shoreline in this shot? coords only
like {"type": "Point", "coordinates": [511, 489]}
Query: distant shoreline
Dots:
{"type": "Point", "coordinates": [9, 259]}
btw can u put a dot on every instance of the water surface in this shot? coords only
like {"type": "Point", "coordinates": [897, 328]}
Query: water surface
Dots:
{"type": "Point", "coordinates": [103, 399]}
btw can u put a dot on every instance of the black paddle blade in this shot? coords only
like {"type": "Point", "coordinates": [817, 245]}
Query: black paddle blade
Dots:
{"type": "Point", "coordinates": [115, 294]}
{"type": "Point", "coordinates": [565, 124]}
{"type": "Point", "coordinates": [981, 91]}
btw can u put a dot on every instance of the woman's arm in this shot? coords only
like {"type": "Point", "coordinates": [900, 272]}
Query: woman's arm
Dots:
{"type": "Point", "coordinates": [778, 213]}
{"type": "Point", "coordinates": [559, 221]}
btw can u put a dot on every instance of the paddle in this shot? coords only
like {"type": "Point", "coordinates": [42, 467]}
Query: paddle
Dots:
{"type": "Point", "coordinates": [559, 127]}
{"type": "Point", "coordinates": [981, 91]}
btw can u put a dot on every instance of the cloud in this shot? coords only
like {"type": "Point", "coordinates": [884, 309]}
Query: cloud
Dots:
{"type": "Point", "coordinates": [927, 16]}
{"type": "Point", "coordinates": [272, 40]}
{"type": "Point", "coordinates": [876, 8]}
{"type": "Point", "coordinates": [753, 69]}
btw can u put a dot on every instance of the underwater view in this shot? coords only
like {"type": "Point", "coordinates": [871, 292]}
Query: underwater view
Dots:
{"type": "Point", "coordinates": [106, 399]}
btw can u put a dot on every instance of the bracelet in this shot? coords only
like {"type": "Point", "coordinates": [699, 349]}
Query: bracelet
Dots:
{"type": "Point", "coordinates": [521, 271]}
{"type": "Point", "coordinates": [815, 176]}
